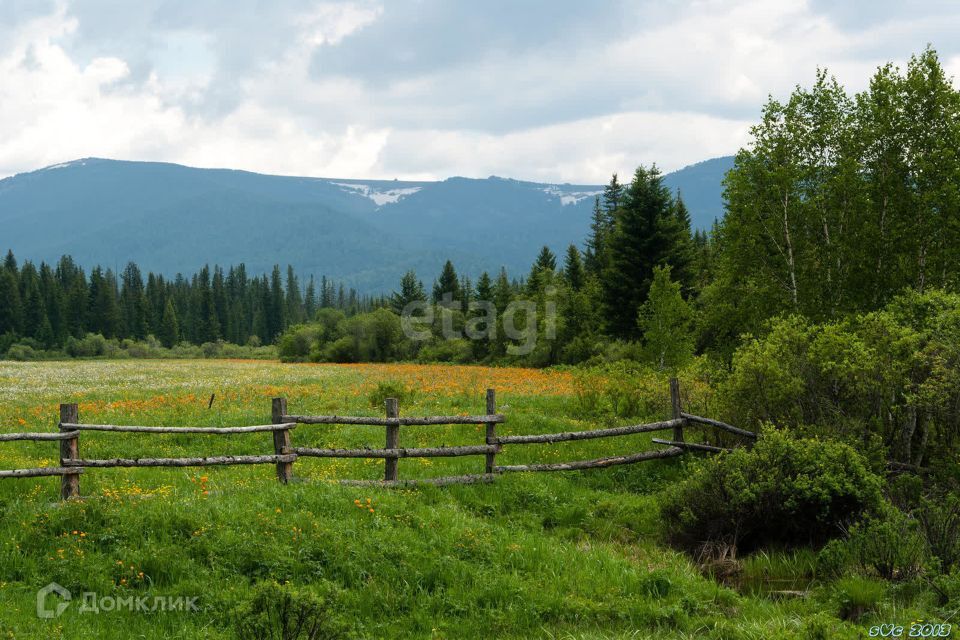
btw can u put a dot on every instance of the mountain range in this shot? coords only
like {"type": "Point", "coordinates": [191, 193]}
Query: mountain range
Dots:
{"type": "Point", "coordinates": [170, 218]}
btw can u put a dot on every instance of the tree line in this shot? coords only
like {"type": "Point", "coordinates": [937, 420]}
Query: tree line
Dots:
{"type": "Point", "coordinates": [49, 304]}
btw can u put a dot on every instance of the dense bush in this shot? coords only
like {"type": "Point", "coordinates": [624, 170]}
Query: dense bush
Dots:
{"type": "Point", "coordinates": [784, 491]}
{"type": "Point", "coordinates": [888, 545]}
{"type": "Point", "coordinates": [888, 379]}
{"type": "Point", "coordinates": [288, 613]}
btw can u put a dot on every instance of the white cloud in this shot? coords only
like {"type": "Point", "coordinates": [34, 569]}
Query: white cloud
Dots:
{"type": "Point", "coordinates": [258, 89]}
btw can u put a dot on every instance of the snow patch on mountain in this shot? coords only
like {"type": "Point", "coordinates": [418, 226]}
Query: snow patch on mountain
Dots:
{"type": "Point", "coordinates": [380, 198]}
{"type": "Point", "coordinates": [569, 197]}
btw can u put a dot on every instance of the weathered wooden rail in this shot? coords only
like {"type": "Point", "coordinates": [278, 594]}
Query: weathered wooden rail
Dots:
{"type": "Point", "coordinates": [285, 454]}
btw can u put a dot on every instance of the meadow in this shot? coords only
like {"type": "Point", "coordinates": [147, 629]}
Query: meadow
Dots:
{"type": "Point", "coordinates": [571, 555]}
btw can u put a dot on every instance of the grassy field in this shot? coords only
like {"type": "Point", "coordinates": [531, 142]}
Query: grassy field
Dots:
{"type": "Point", "coordinates": [575, 555]}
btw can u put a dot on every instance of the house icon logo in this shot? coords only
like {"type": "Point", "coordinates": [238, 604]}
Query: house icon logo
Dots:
{"type": "Point", "coordinates": [43, 609]}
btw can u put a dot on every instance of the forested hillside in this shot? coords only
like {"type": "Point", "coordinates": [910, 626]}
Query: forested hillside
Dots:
{"type": "Point", "coordinates": [361, 232]}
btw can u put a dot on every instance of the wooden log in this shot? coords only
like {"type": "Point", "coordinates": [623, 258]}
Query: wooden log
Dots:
{"type": "Point", "coordinates": [37, 437]}
{"type": "Point", "coordinates": [69, 449]}
{"type": "Point", "coordinates": [691, 445]}
{"type": "Point", "coordinates": [408, 421]}
{"type": "Point", "coordinates": [491, 435]}
{"type": "Point", "coordinates": [432, 452]}
{"type": "Point", "coordinates": [675, 407]}
{"type": "Point", "coordinates": [594, 464]}
{"type": "Point", "coordinates": [720, 425]}
{"type": "Point", "coordinates": [391, 465]}
{"type": "Point", "coordinates": [43, 471]}
{"type": "Point", "coordinates": [208, 430]}
{"type": "Point", "coordinates": [281, 440]}
{"type": "Point", "coordinates": [550, 438]}
{"type": "Point", "coordinates": [181, 462]}
{"type": "Point", "coordinates": [437, 482]}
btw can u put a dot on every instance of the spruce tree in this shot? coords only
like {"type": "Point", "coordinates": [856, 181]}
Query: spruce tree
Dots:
{"type": "Point", "coordinates": [573, 268]}
{"type": "Point", "coordinates": [411, 290]}
{"type": "Point", "coordinates": [294, 301]}
{"type": "Point", "coordinates": [310, 300]}
{"type": "Point", "coordinates": [646, 235]}
{"type": "Point", "coordinates": [169, 332]}
{"type": "Point", "coordinates": [11, 310]}
{"type": "Point", "coordinates": [447, 283]}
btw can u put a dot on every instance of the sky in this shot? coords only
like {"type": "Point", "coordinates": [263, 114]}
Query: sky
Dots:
{"type": "Point", "coordinates": [552, 91]}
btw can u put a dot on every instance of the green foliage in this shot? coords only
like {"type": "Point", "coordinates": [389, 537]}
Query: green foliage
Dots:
{"type": "Point", "coordinates": [285, 612]}
{"type": "Point", "coordinates": [888, 544]}
{"type": "Point", "coordinates": [939, 520]}
{"type": "Point", "coordinates": [840, 202]}
{"type": "Point", "coordinates": [646, 234]}
{"type": "Point", "coordinates": [785, 491]}
{"type": "Point", "coordinates": [855, 597]}
{"type": "Point", "coordinates": [398, 389]}
{"type": "Point", "coordinates": [666, 322]}
{"type": "Point", "coordinates": [890, 377]}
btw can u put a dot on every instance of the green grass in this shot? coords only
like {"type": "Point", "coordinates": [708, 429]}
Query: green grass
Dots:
{"type": "Point", "coordinates": [575, 555]}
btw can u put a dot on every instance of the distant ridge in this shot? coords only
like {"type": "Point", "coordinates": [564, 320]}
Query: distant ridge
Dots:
{"type": "Point", "coordinates": [171, 218]}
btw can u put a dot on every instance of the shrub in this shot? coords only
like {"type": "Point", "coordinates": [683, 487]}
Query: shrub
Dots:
{"type": "Point", "coordinates": [296, 344]}
{"type": "Point", "coordinates": [890, 377]}
{"type": "Point", "coordinates": [784, 491]}
{"type": "Point", "coordinates": [940, 526]}
{"type": "Point", "coordinates": [446, 350]}
{"type": "Point", "coordinates": [282, 611]}
{"type": "Point", "coordinates": [390, 389]}
{"type": "Point", "coordinates": [888, 544]}
{"type": "Point", "coordinates": [23, 353]}
{"type": "Point", "coordinates": [90, 346]}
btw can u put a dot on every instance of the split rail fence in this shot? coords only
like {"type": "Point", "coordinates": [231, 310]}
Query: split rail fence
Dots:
{"type": "Point", "coordinates": [285, 454]}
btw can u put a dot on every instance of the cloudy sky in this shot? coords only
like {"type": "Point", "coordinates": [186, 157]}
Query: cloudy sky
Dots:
{"type": "Point", "coordinates": [561, 91]}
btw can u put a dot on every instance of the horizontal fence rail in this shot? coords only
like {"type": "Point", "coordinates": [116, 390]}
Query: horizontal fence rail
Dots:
{"type": "Point", "coordinates": [180, 462]}
{"type": "Point", "coordinates": [723, 426]}
{"type": "Point", "coordinates": [430, 452]}
{"type": "Point", "coordinates": [550, 438]}
{"type": "Point", "coordinates": [36, 437]}
{"type": "Point", "coordinates": [208, 430]}
{"type": "Point", "coordinates": [382, 422]}
{"type": "Point", "coordinates": [284, 454]}
{"type": "Point", "coordinates": [36, 473]}
{"type": "Point", "coordinates": [597, 463]}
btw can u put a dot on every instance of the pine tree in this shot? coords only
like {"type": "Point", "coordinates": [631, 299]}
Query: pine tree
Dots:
{"type": "Point", "coordinates": [276, 311]}
{"type": "Point", "coordinates": [11, 311]}
{"type": "Point", "coordinates": [169, 332]}
{"type": "Point", "coordinates": [447, 284]}
{"type": "Point", "coordinates": [310, 300]}
{"type": "Point", "coordinates": [294, 301]}
{"type": "Point", "coordinates": [573, 272]}
{"type": "Point", "coordinates": [411, 290]}
{"type": "Point", "coordinates": [134, 309]}
{"type": "Point", "coordinates": [613, 197]}
{"type": "Point", "coordinates": [646, 235]}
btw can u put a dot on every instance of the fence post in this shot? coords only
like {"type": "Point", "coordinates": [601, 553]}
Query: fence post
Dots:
{"type": "Point", "coordinates": [677, 412]}
{"type": "Point", "coordinates": [390, 465]}
{"type": "Point", "coordinates": [491, 428]}
{"type": "Point", "coordinates": [69, 450]}
{"type": "Point", "coordinates": [281, 440]}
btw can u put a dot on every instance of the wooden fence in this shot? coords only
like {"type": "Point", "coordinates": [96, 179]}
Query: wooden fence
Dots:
{"type": "Point", "coordinates": [285, 454]}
